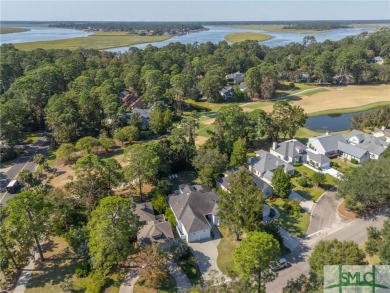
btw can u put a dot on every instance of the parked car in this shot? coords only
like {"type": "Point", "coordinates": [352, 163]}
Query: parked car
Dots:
{"type": "Point", "coordinates": [12, 186]}
{"type": "Point", "coordinates": [279, 265]}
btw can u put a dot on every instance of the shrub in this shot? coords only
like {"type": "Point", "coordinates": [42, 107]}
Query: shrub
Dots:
{"type": "Point", "coordinates": [170, 217]}
{"type": "Point", "coordinates": [292, 207]}
{"type": "Point", "coordinates": [297, 164]}
{"type": "Point", "coordinates": [82, 269]}
{"type": "Point", "coordinates": [7, 154]}
{"type": "Point", "coordinates": [354, 161]}
{"type": "Point", "coordinates": [159, 202]}
{"type": "Point", "coordinates": [303, 182]}
{"type": "Point", "coordinates": [334, 164]}
{"type": "Point", "coordinates": [179, 248]}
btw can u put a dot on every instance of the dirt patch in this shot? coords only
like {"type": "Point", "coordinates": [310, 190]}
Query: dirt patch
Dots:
{"type": "Point", "coordinates": [345, 213]}
{"type": "Point", "coordinates": [200, 140]}
{"type": "Point", "coordinates": [66, 172]}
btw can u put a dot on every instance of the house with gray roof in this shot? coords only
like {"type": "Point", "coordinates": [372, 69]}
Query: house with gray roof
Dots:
{"type": "Point", "coordinates": [227, 92]}
{"type": "Point", "coordinates": [235, 77]}
{"type": "Point", "coordinates": [317, 160]}
{"type": "Point", "coordinates": [242, 86]}
{"type": "Point", "coordinates": [292, 151]}
{"type": "Point", "coordinates": [145, 116]}
{"type": "Point", "coordinates": [155, 229]}
{"type": "Point", "coordinates": [350, 151]}
{"type": "Point", "coordinates": [259, 183]}
{"type": "Point", "coordinates": [326, 145]}
{"type": "Point", "coordinates": [195, 210]}
{"type": "Point", "coordinates": [265, 163]}
{"type": "Point", "coordinates": [374, 145]}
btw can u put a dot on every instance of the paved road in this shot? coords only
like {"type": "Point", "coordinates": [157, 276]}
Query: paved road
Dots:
{"type": "Point", "coordinates": [354, 230]}
{"type": "Point", "coordinates": [25, 162]}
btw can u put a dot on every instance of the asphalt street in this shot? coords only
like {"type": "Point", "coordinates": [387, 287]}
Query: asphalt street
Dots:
{"type": "Point", "coordinates": [25, 162]}
{"type": "Point", "coordinates": [353, 230]}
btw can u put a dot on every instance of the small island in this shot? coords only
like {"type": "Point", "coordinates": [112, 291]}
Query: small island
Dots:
{"type": "Point", "coordinates": [246, 36]}
{"type": "Point", "coordinates": [11, 30]}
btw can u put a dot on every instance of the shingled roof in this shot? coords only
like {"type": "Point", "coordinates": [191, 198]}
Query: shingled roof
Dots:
{"type": "Point", "coordinates": [192, 205]}
{"type": "Point", "coordinates": [264, 161]}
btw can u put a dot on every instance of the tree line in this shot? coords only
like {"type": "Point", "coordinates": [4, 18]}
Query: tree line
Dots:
{"type": "Point", "coordinates": [77, 91]}
{"type": "Point", "coordinates": [154, 28]}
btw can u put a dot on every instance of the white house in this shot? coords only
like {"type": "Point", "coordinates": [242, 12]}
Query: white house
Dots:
{"type": "Point", "coordinates": [326, 145]}
{"type": "Point", "coordinates": [195, 209]}
{"type": "Point", "coordinates": [292, 151]}
{"type": "Point", "coordinates": [374, 145]}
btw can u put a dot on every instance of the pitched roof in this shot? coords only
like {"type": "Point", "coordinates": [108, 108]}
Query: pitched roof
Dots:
{"type": "Point", "coordinates": [155, 231]}
{"type": "Point", "coordinates": [242, 86]}
{"type": "Point", "coordinates": [145, 113]}
{"type": "Point", "coordinates": [328, 142]}
{"type": "Point", "coordinates": [318, 158]}
{"type": "Point", "coordinates": [290, 148]}
{"type": "Point", "coordinates": [227, 91]}
{"type": "Point", "coordinates": [191, 206]}
{"type": "Point", "coordinates": [237, 76]}
{"type": "Point", "coordinates": [145, 212]}
{"type": "Point", "coordinates": [264, 161]}
{"type": "Point", "coordinates": [352, 150]}
{"type": "Point", "coordinates": [375, 145]}
{"type": "Point", "coordinates": [258, 182]}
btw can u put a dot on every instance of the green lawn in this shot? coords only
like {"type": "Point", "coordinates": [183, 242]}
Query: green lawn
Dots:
{"type": "Point", "coordinates": [343, 166]}
{"type": "Point", "coordinates": [31, 137]}
{"type": "Point", "coordinates": [226, 247]}
{"type": "Point", "coordinates": [314, 91]}
{"type": "Point", "coordinates": [312, 192]}
{"type": "Point", "coordinates": [11, 30]}
{"type": "Point", "coordinates": [100, 40]}
{"type": "Point", "coordinates": [372, 260]}
{"type": "Point", "coordinates": [245, 36]}
{"type": "Point", "coordinates": [296, 226]}
{"type": "Point", "coordinates": [351, 109]}
{"type": "Point", "coordinates": [256, 105]}
{"type": "Point", "coordinates": [169, 286]}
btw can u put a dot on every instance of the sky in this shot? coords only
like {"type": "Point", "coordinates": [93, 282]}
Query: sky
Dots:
{"type": "Point", "coordinates": [186, 10]}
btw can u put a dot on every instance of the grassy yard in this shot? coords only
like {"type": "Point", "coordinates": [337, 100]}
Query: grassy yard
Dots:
{"type": "Point", "coordinates": [314, 91]}
{"type": "Point", "coordinates": [311, 192]}
{"type": "Point", "coordinates": [245, 36]}
{"type": "Point", "coordinates": [31, 137]}
{"type": "Point", "coordinates": [226, 247]}
{"type": "Point", "coordinates": [343, 166]}
{"type": "Point", "coordinates": [11, 30]}
{"type": "Point", "coordinates": [59, 265]}
{"type": "Point", "coordinates": [294, 225]}
{"type": "Point", "coordinates": [166, 287]}
{"type": "Point", "coordinates": [100, 40]}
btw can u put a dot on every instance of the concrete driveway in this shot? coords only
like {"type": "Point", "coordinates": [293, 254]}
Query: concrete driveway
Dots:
{"type": "Point", "coordinates": [206, 253]}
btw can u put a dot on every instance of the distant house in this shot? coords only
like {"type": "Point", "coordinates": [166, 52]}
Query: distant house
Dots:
{"type": "Point", "coordinates": [145, 116]}
{"type": "Point", "coordinates": [265, 163]}
{"type": "Point", "coordinates": [303, 77]}
{"type": "Point", "coordinates": [350, 152]}
{"type": "Point", "coordinates": [292, 151]}
{"type": "Point", "coordinates": [195, 209]}
{"type": "Point", "coordinates": [382, 133]}
{"type": "Point", "coordinates": [378, 60]}
{"type": "Point", "coordinates": [227, 92]}
{"type": "Point", "coordinates": [326, 144]}
{"type": "Point", "coordinates": [155, 229]}
{"type": "Point", "coordinates": [374, 145]}
{"type": "Point", "coordinates": [259, 183]}
{"type": "Point", "coordinates": [317, 160]}
{"type": "Point", "coordinates": [242, 86]}
{"type": "Point", "coordinates": [129, 99]}
{"type": "Point", "coordinates": [235, 77]}
{"type": "Point", "coordinates": [340, 79]}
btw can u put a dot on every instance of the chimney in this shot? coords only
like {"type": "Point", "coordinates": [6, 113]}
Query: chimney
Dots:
{"type": "Point", "coordinates": [327, 133]}
{"type": "Point", "coordinates": [274, 145]}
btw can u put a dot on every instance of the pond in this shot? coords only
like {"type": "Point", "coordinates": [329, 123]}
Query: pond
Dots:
{"type": "Point", "coordinates": [331, 122]}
